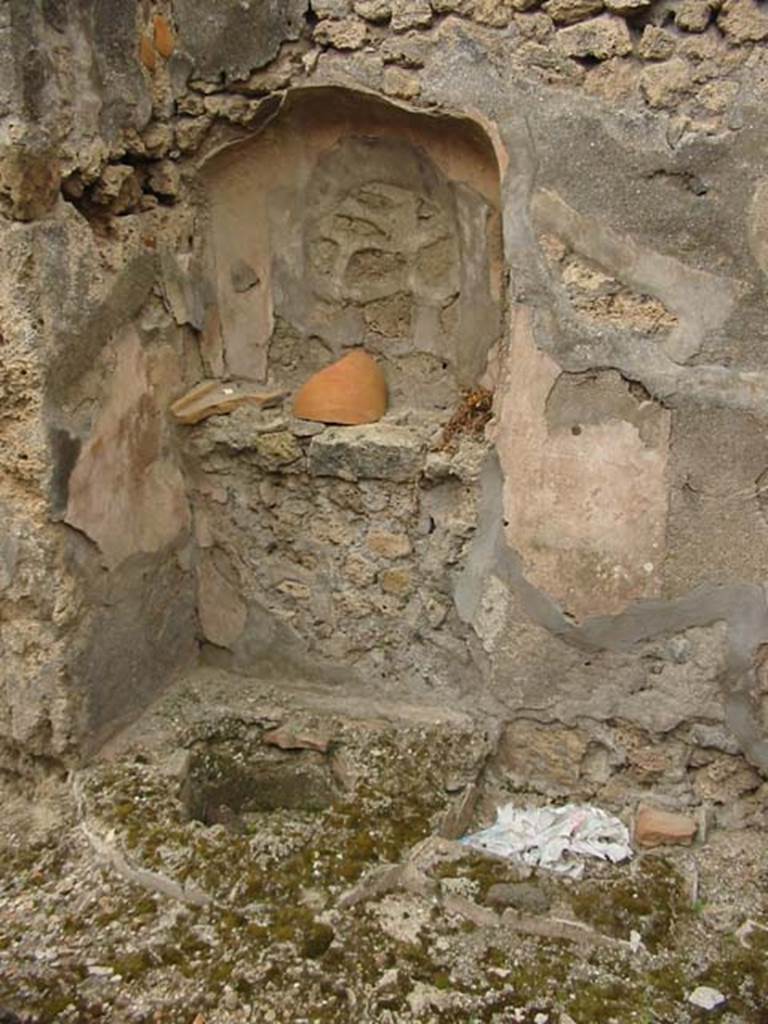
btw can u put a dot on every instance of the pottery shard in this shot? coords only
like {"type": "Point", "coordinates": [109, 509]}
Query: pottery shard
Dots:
{"type": "Point", "coordinates": [352, 391]}
{"type": "Point", "coordinates": [663, 828]}
{"type": "Point", "coordinates": [163, 37]}
{"type": "Point", "coordinates": [214, 398]}
{"type": "Point", "coordinates": [147, 53]}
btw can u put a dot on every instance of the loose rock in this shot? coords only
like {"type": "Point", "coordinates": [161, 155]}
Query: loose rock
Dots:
{"type": "Point", "coordinates": [706, 998]}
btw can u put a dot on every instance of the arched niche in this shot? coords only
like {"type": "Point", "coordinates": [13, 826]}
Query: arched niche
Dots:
{"type": "Point", "coordinates": [349, 220]}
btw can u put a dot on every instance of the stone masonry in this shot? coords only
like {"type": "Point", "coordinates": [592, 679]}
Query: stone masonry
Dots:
{"type": "Point", "coordinates": [564, 204]}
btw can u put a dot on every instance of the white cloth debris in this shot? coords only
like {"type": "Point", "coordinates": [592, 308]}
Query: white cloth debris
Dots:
{"type": "Point", "coordinates": [555, 838]}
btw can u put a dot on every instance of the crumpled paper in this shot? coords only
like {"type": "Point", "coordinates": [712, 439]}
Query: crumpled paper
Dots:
{"type": "Point", "coordinates": [555, 838]}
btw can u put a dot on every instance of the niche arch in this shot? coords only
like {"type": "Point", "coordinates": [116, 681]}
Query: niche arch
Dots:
{"type": "Point", "coordinates": [350, 220]}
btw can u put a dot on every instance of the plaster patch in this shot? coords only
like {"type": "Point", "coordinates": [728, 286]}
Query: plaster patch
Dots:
{"type": "Point", "coordinates": [124, 493]}
{"type": "Point", "coordinates": [702, 302]}
{"type": "Point", "coordinates": [585, 504]}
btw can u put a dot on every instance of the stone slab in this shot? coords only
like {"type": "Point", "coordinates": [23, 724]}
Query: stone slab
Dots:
{"type": "Point", "coordinates": [378, 451]}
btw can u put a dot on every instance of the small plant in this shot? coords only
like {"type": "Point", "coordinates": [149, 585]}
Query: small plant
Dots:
{"type": "Point", "coordinates": [470, 418]}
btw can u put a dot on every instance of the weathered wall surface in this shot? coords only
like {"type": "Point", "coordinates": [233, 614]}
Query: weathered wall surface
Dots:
{"type": "Point", "coordinates": [565, 202]}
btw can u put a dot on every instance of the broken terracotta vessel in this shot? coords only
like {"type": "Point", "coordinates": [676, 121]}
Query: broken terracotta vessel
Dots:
{"type": "Point", "coordinates": [164, 43]}
{"type": "Point", "coordinates": [350, 392]}
{"type": "Point", "coordinates": [215, 398]}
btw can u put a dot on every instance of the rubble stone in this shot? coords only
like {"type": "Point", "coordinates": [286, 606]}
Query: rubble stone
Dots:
{"type": "Point", "coordinates": [397, 581]}
{"type": "Point", "coordinates": [656, 44]}
{"type": "Point", "coordinates": [601, 38]}
{"type": "Point", "coordinates": [379, 451]}
{"type": "Point", "coordinates": [725, 779]}
{"type": "Point", "coordinates": [345, 34]}
{"type": "Point", "coordinates": [566, 12]}
{"type": "Point", "coordinates": [401, 84]}
{"type": "Point", "coordinates": [693, 15]}
{"type": "Point", "coordinates": [411, 50]}
{"type": "Point", "coordinates": [330, 8]}
{"type": "Point", "coordinates": [743, 21]}
{"type": "Point", "coordinates": [389, 545]}
{"type": "Point", "coordinates": [407, 14]}
{"type": "Point", "coordinates": [544, 758]}
{"type": "Point", "coordinates": [165, 178]}
{"type": "Point", "coordinates": [626, 7]}
{"type": "Point", "coordinates": [664, 85]}
{"type": "Point", "coordinates": [190, 131]}
{"type": "Point", "coordinates": [498, 13]}
{"type": "Point", "coordinates": [373, 10]}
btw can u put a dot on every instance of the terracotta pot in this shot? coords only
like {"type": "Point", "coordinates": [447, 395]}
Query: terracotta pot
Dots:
{"type": "Point", "coordinates": [350, 391]}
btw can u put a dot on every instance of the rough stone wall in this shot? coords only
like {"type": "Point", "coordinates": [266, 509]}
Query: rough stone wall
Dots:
{"type": "Point", "coordinates": [184, 186]}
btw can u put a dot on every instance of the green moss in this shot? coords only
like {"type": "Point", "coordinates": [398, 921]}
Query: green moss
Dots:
{"type": "Point", "coordinates": [543, 973]}
{"type": "Point", "coordinates": [244, 988]}
{"type": "Point", "coordinates": [361, 846]}
{"type": "Point", "coordinates": [297, 924]}
{"type": "Point", "coordinates": [495, 957]}
{"type": "Point", "coordinates": [133, 965]}
{"type": "Point", "coordinates": [221, 972]}
{"type": "Point", "coordinates": [52, 1005]}
{"type": "Point", "coordinates": [668, 982]}
{"type": "Point", "coordinates": [231, 919]}
{"type": "Point", "coordinates": [145, 906]}
{"type": "Point", "coordinates": [316, 940]}
{"type": "Point", "coordinates": [604, 1002]}
{"type": "Point", "coordinates": [651, 901]}
{"type": "Point", "coordinates": [72, 925]}
{"type": "Point", "coordinates": [742, 974]}
{"type": "Point", "coordinates": [483, 870]}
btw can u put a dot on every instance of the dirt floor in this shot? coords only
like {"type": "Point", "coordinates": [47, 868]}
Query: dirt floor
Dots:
{"type": "Point", "coordinates": [243, 855]}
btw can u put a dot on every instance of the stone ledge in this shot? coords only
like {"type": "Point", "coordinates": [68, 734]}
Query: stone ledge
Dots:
{"type": "Point", "coordinates": [377, 451]}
